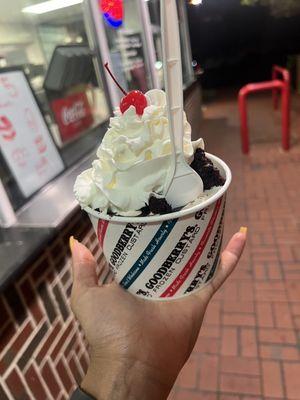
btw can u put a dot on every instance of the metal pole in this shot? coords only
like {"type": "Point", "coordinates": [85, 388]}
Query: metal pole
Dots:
{"type": "Point", "coordinates": [149, 43]}
{"type": "Point", "coordinates": [104, 50]}
{"type": "Point", "coordinates": [285, 103]}
{"type": "Point", "coordinates": [274, 91]}
{"type": "Point", "coordinates": [94, 46]}
{"type": "Point", "coordinates": [244, 122]}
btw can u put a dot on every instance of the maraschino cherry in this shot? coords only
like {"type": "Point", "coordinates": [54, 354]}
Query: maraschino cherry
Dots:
{"type": "Point", "coordinates": [134, 98]}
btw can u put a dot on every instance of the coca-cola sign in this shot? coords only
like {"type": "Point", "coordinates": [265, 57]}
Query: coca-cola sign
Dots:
{"type": "Point", "coordinates": [73, 115]}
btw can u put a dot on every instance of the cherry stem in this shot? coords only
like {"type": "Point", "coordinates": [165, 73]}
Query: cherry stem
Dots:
{"type": "Point", "coordinates": [114, 79]}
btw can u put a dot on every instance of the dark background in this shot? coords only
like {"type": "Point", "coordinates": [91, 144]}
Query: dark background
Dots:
{"type": "Point", "coordinates": [236, 44]}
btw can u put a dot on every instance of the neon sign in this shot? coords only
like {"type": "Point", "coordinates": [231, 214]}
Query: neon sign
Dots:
{"type": "Point", "coordinates": [112, 11]}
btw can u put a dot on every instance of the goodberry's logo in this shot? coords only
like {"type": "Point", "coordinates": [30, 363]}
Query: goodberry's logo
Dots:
{"type": "Point", "coordinates": [112, 11]}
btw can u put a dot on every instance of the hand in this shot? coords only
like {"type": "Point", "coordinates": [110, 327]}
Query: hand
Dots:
{"type": "Point", "coordinates": [137, 346]}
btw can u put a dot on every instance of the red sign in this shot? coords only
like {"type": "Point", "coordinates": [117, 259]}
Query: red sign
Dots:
{"type": "Point", "coordinates": [112, 11]}
{"type": "Point", "coordinates": [73, 114]}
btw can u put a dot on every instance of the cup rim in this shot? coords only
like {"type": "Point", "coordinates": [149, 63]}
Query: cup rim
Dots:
{"type": "Point", "coordinates": [173, 215]}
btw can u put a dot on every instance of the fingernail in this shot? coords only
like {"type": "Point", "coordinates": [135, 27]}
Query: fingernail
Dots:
{"type": "Point", "coordinates": [243, 229]}
{"type": "Point", "coordinates": [71, 242]}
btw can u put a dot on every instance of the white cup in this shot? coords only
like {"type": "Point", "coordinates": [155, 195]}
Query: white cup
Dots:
{"type": "Point", "coordinates": [164, 257]}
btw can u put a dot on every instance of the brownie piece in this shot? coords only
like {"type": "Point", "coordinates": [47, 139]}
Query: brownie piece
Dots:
{"type": "Point", "coordinates": [159, 206]}
{"type": "Point", "coordinates": [204, 167]}
{"type": "Point", "coordinates": [145, 211]}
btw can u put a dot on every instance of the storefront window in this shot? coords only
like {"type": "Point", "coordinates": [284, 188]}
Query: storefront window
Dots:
{"type": "Point", "coordinates": [48, 41]}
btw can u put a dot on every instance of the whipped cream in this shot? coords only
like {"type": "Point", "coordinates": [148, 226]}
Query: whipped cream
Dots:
{"type": "Point", "coordinates": [133, 159]}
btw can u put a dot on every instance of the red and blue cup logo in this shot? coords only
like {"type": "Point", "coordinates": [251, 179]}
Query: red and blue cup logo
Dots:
{"type": "Point", "coordinates": [112, 11]}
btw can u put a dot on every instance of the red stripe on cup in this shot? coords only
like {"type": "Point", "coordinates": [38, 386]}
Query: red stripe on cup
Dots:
{"type": "Point", "coordinates": [101, 231]}
{"type": "Point", "coordinates": [180, 279]}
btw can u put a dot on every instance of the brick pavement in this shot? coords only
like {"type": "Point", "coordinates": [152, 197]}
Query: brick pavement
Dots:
{"type": "Point", "coordinates": [249, 345]}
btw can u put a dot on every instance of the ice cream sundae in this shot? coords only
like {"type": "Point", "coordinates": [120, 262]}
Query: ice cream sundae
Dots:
{"type": "Point", "coordinates": [153, 250]}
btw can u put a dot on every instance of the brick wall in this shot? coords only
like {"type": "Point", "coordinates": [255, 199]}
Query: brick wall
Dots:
{"type": "Point", "coordinates": [43, 352]}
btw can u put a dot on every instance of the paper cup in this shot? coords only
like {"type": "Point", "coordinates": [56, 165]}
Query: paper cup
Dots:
{"type": "Point", "coordinates": [164, 257]}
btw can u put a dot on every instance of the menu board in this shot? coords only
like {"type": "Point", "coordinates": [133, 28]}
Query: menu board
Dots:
{"type": "Point", "coordinates": [25, 140]}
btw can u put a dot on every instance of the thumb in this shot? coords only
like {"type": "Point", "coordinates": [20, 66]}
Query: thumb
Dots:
{"type": "Point", "coordinates": [229, 260]}
{"type": "Point", "coordinates": [83, 265]}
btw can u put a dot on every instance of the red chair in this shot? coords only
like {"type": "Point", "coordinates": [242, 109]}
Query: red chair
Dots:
{"type": "Point", "coordinates": [276, 86]}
